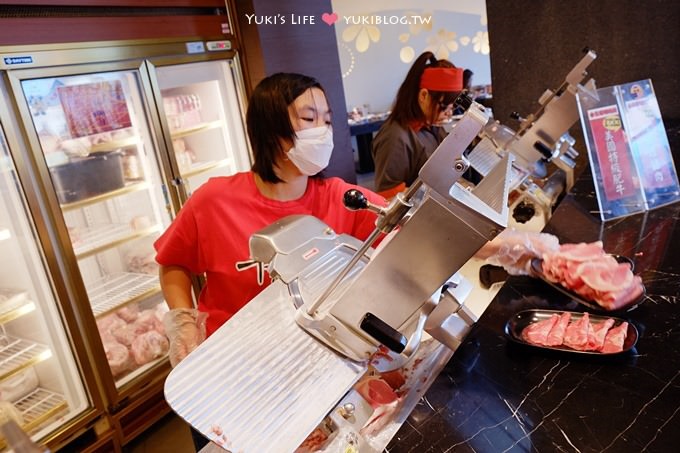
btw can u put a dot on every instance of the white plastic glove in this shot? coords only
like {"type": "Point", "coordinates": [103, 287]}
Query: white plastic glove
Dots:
{"type": "Point", "coordinates": [185, 328]}
{"type": "Point", "coordinates": [514, 250]}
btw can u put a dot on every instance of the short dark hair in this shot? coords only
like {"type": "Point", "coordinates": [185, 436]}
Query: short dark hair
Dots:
{"type": "Point", "coordinates": [268, 121]}
{"type": "Point", "coordinates": [406, 108]}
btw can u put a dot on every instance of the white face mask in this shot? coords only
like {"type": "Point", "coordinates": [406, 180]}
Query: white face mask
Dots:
{"type": "Point", "coordinates": [312, 149]}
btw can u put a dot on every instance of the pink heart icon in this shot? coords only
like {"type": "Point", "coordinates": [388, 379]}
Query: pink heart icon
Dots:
{"type": "Point", "coordinates": [330, 19]}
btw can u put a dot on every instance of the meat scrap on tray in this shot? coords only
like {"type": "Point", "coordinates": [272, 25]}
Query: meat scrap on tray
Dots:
{"type": "Point", "coordinates": [578, 334]}
{"type": "Point", "coordinates": [590, 272]}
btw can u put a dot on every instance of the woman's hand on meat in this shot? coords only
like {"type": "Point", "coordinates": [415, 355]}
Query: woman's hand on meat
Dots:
{"type": "Point", "coordinates": [185, 328]}
{"type": "Point", "coordinates": [514, 250]}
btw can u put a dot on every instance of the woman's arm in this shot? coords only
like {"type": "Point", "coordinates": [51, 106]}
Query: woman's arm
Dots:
{"type": "Point", "coordinates": [176, 286]}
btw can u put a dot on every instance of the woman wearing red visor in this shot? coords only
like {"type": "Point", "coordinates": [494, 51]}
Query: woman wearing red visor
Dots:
{"type": "Point", "coordinates": [412, 132]}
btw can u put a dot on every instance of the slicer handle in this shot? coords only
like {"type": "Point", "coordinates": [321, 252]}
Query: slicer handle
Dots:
{"type": "Point", "coordinates": [354, 200]}
{"type": "Point", "coordinates": [383, 332]}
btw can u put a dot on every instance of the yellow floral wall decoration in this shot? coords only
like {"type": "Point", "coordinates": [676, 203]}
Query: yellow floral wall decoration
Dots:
{"type": "Point", "coordinates": [480, 43]}
{"type": "Point", "coordinates": [362, 35]}
{"type": "Point", "coordinates": [442, 43]}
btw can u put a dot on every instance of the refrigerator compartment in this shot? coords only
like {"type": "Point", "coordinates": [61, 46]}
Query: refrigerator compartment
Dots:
{"type": "Point", "coordinates": [92, 240]}
{"type": "Point", "coordinates": [87, 177]}
{"type": "Point", "coordinates": [16, 355]}
{"type": "Point", "coordinates": [183, 111]}
{"type": "Point", "coordinates": [40, 406]}
{"type": "Point", "coordinates": [114, 291]}
{"type": "Point", "coordinates": [134, 336]}
{"type": "Point", "coordinates": [36, 409]}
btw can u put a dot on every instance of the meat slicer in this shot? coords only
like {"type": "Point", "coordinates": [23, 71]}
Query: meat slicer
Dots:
{"type": "Point", "coordinates": [287, 362]}
{"type": "Point", "coordinates": [543, 148]}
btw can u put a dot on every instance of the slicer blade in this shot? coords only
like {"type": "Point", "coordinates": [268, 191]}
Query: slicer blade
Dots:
{"type": "Point", "coordinates": [260, 382]}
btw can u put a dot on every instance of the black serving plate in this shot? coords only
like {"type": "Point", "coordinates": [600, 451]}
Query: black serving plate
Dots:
{"type": "Point", "coordinates": [537, 269]}
{"type": "Point", "coordinates": [516, 324]}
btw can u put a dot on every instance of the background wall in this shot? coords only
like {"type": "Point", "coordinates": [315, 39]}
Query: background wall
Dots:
{"type": "Point", "coordinates": [375, 57]}
{"type": "Point", "coordinates": [535, 44]}
{"type": "Point", "coordinates": [309, 48]}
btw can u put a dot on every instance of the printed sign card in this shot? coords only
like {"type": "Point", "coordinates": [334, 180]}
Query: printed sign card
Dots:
{"type": "Point", "coordinates": [93, 108]}
{"type": "Point", "coordinates": [628, 149]}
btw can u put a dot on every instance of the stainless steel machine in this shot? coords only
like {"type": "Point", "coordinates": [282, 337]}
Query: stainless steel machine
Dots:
{"type": "Point", "coordinates": [287, 362]}
{"type": "Point", "coordinates": [543, 148]}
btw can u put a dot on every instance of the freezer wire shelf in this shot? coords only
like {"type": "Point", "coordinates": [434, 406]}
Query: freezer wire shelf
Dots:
{"type": "Point", "coordinates": [201, 167]}
{"type": "Point", "coordinates": [116, 290]}
{"type": "Point", "coordinates": [38, 406]}
{"type": "Point", "coordinates": [17, 354]}
{"type": "Point", "coordinates": [179, 133]}
{"type": "Point", "coordinates": [129, 188]}
{"type": "Point", "coordinates": [115, 144]}
{"type": "Point", "coordinates": [96, 239]}
{"type": "Point", "coordinates": [11, 311]}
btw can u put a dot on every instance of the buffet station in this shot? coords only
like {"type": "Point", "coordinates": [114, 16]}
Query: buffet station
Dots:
{"type": "Point", "coordinates": [350, 348]}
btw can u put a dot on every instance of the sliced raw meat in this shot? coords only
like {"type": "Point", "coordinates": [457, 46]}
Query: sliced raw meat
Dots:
{"type": "Point", "coordinates": [556, 335]}
{"type": "Point", "coordinates": [395, 379]}
{"type": "Point", "coordinates": [314, 442]}
{"type": "Point", "coordinates": [376, 391]}
{"type": "Point", "coordinates": [597, 335]}
{"type": "Point", "coordinates": [605, 274]}
{"type": "Point", "coordinates": [576, 336]}
{"type": "Point", "coordinates": [537, 332]}
{"type": "Point", "coordinates": [613, 342]}
{"type": "Point", "coordinates": [618, 299]}
{"type": "Point", "coordinates": [582, 251]}
{"type": "Point", "coordinates": [592, 274]}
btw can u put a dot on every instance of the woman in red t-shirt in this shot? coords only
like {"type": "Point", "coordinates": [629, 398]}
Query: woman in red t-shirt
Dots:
{"type": "Point", "coordinates": [289, 127]}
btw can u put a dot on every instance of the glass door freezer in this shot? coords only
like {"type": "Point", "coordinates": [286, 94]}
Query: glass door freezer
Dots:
{"type": "Point", "coordinates": [119, 135]}
{"type": "Point", "coordinates": [43, 381]}
{"type": "Point", "coordinates": [95, 150]}
{"type": "Point", "coordinates": [203, 118]}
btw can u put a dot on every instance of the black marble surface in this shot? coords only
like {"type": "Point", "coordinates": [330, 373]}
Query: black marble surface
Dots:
{"type": "Point", "coordinates": [497, 396]}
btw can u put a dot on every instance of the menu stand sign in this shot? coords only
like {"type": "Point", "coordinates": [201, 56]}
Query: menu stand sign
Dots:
{"type": "Point", "coordinates": [628, 149]}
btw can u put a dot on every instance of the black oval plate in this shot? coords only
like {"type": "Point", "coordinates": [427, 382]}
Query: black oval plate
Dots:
{"type": "Point", "coordinates": [516, 324]}
{"type": "Point", "coordinates": [537, 269]}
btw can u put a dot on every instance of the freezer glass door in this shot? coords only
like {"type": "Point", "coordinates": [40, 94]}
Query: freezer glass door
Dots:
{"type": "Point", "coordinates": [203, 112]}
{"type": "Point", "coordinates": [95, 138]}
{"type": "Point", "coordinates": [40, 382]}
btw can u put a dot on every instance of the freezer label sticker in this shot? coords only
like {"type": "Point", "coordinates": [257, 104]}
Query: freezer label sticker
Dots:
{"type": "Point", "coordinates": [18, 60]}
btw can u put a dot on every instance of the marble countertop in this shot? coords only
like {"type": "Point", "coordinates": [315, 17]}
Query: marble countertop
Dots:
{"type": "Point", "coordinates": [497, 396]}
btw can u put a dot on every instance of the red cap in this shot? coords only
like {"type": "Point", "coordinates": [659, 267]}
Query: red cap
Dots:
{"type": "Point", "coordinates": [442, 79]}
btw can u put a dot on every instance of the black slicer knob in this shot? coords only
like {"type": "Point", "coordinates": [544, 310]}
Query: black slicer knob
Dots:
{"type": "Point", "coordinates": [354, 200]}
